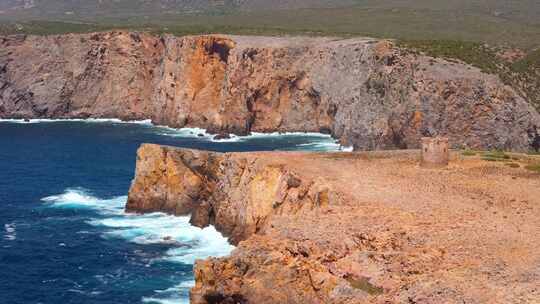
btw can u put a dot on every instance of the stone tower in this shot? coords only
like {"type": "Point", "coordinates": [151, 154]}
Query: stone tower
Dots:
{"type": "Point", "coordinates": [434, 152]}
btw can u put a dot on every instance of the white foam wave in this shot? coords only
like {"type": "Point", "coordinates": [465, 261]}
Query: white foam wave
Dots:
{"type": "Point", "coordinates": [188, 242]}
{"type": "Point", "coordinates": [182, 132]}
{"type": "Point", "coordinates": [208, 242]}
{"type": "Point", "coordinates": [202, 133]}
{"type": "Point", "coordinates": [171, 300]}
{"type": "Point", "coordinates": [80, 198]}
{"type": "Point", "coordinates": [86, 120]}
{"type": "Point", "coordinates": [10, 233]}
{"type": "Point", "coordinates": [320, 142]}
{"type": "Point", "coordinates": [176, 294]}
{"type": "Point", "coordinates": [347, 148]}
{"type": "Point", "coordinates": [324, 146]}
{"type": "Point", "coordinates": [187, 284]}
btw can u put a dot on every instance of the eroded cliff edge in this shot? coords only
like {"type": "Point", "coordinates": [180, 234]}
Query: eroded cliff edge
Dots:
{"type": "Point", "coordinates": [351, 227]}
{"type": "Point", "coordinates": [365, 92]}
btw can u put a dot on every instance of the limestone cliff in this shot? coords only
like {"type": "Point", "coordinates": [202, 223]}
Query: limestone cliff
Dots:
{"type": "Point", "coordinates": [351, 227]}
{"type": "Point", "coordinates": [234, 192]}
{"type": "Point", "coordinates": [365, 92]}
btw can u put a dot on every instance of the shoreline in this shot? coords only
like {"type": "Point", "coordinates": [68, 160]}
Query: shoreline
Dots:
{"type": "Point", "coordinates": [193, 132]}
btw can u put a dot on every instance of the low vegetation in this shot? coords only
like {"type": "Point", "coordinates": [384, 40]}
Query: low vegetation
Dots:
{"type": "Point", "coordinates": [474, 53]}
{"type": "Point", "coordinates": [512, 161]}
{"type": "Point", "coordinates": [522, 72]}
{"type": "Point", "coordinates": [495, 156]}
{"type": "Point", "coordinates": [533, 167]}
{"type": "Point", "coordinates": [50, 28]}
{"type": "Point", "coordinates": [364, 285]}
{"type": "Point", "coordinates": [468, 152]}
{"type": "Point", "coordinates": [525, 73]}
{"type": "Point", "coordinates": [455, 30]}
{"type": "Point", "coordinates": [513, 24]}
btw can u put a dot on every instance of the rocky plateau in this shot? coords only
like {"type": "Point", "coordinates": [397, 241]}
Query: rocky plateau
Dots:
{"type": "Point", "coordinates": [362, 227]}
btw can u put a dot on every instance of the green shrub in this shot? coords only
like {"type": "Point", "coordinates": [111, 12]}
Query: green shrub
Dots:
{"type": "Point", "coordinates": [468, 152]}
{"type": "Point", "coordinates": [493, 159]}
{"type": "Point", "coordinates": [533, 167]}
{"type": "Point", "coordinates": [473, 53]}
{"type": "Point", "coordinates": [498, 155]}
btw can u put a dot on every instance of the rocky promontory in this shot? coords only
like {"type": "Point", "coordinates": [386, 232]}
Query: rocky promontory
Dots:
{"type": "Point", "coordinates": [370, 227]}
{"type": "Point", "coordinates": [366, 92]}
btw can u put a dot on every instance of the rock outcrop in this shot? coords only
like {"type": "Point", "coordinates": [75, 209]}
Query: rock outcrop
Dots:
{"type": "Point", "coordinates": [214, 187]}
{"type": "Point", "coordinates": [351, 227]}
{"type": "Point", "coordinates": [365, 92]}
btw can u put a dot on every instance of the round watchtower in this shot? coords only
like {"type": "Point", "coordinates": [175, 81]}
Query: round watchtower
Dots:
{"type": "Point", "coordinates": [434, 152]}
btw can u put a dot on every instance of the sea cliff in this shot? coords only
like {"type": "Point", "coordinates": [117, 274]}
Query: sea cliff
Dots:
{"type": "Point", "coordinates": [368, 227]}
{"type": "Point", "coordinates": [366, 92]}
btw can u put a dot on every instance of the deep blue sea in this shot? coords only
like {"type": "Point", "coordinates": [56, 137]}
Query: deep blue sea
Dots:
{"type": "Point", "coordinates": [64, 237]}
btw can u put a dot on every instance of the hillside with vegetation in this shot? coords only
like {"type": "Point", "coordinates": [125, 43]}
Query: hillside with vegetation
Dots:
{"type": "Point", "coordinates": [501, 37]}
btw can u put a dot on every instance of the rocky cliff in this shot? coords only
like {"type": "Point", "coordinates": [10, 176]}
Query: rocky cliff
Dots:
{"type": "Point", "coordinates": [366, 92]}
{"type": "Point", "coordinates": [351, 227]}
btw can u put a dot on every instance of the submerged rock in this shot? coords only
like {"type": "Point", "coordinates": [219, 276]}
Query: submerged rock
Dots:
{"type": "Point", "coordinates": [222, 136]}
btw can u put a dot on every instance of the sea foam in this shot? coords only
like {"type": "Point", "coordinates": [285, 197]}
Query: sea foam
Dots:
{"type": "Point", "coordinates": [319, 141]}
{"type": "Point", "coordinates": [168, 300]}
{"type": "Point", "coordinates": [81, 198]}
{"type": "Point", "coordinates": [10, 233]}
{"type": "Point", "coordinates": [178, 294]}
{"type": "Point", "coordinates": [86, 120]}
{"type": "Point", "coordinates": [187, 242]}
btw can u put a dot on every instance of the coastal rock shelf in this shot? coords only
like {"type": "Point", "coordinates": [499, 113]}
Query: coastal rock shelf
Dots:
{"type": "Point", "coordinates": [365, 92]}
{"type": "Point", "coordinates": [369, 227]}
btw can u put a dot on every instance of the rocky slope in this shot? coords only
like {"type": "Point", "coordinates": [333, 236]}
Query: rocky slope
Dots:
{"type": "Point", "coordinates": [367, 93]}
{"type": "Point", "coordinates": [351, 227]}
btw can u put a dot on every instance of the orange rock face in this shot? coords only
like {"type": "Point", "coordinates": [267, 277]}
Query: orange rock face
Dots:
{"type": "Point", "coordinates": [365, 92]}
{"type": "Point", "coordinates": [171, 187]}
{"type": "Point", "coordinates": [352, 227]}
